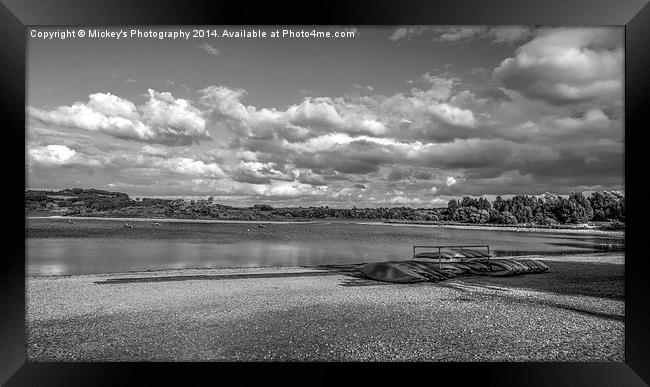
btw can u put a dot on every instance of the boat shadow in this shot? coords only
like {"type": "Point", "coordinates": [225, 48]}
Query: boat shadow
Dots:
{"type": "Point", "coordinates": [594, 279]}
{"type": "Point", "coordinates": [603, 280]}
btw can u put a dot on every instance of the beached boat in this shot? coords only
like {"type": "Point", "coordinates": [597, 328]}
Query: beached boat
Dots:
{"type": "Point", "coordinates": [451, 253]}
{"type": "Point", "coordinates": [444, 262]}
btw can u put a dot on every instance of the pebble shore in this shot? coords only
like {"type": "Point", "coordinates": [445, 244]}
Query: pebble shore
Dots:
{"type": "Point", "coordinates": [312, 314]}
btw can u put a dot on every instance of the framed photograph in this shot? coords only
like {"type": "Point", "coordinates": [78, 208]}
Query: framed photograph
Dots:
{"type": "Point", "coordinates": [381, 189]}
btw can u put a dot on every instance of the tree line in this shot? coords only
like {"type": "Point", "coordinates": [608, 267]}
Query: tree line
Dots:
{"type": "Point", "coordinates": [546, 210]}
{"type": "Point", "coordinates": [549, 209]}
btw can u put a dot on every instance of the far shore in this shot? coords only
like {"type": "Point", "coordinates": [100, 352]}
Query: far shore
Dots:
{"type": "Point", "coordinates": [576, 230]}
{"type": "Point", "coordinates": [169, 220]}
{"type": "Point", "coordinates": [490, 227]}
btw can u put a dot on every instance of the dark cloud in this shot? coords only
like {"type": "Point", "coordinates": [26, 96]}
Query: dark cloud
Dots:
{"type": "Point", "coordinates": [493, 94]}
{"type": "Point", "coordinates": [399, 174]}
{"type": "Point", "coordinates": [311, 178]}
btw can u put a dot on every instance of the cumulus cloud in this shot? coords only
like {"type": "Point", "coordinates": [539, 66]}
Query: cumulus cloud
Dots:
{"type": "Point", "coordinates": [52, 154]}
{"type": "Point", "coordinates": [58, 155]}
{"type": "Point", "coordinates": [425, 113]}
{"type": "Point", "coordinates": [300, 121]}
{"type": "Point", "coordinates": [260, 173]}
{"type": "Point", "coordinates": [191, 167]}
{"type": "Point", "coordinates": [162, 119]}
{"type": "Point", "coordinates": [567, 65]}
{"type": "Point", "coordinates": [308, 177]}
{"type": "Point", "coordinates": [515, 130]}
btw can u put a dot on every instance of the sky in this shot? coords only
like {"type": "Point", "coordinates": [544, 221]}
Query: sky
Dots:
{"type": "Point", "coordinates": [394, 116]}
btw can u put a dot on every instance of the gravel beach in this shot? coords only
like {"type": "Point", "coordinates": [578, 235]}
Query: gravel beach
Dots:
{"type": "Point", "coordinates": [574, 312]}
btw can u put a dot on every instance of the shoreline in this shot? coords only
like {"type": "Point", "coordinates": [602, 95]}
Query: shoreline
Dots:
{"type": "Point", "coordinates": [169, 220]}
{"type": "Point", "coordinates": [617, 258]}
{"type": "Point", "coordinates": [573, 312]}
{"type": "Point", "coordinates": [588, 231]}
{"type": "Point", "coordinates": [584, 231]}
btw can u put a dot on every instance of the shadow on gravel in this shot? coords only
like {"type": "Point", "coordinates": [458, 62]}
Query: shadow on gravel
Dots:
{"type": "Point", "coordinates": [127, 280]}
{"type": "Point", "coordinates": [503, 293]}
{"type": "Point", "coordinates": [592, 279]}
{"type": "Point", "coordinates": [604, 280]}
{"type": "Point", "coordinates": [607, 316]}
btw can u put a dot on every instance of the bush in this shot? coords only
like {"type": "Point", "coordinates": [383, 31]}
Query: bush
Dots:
{"type": "Point", "coordinates": [613, 226]}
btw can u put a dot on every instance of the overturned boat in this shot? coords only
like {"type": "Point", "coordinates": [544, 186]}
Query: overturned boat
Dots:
{"type": "Point", "coordinates": [446, 262]}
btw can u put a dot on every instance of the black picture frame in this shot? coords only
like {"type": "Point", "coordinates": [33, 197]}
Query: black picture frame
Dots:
{"type": "Point", "coordinates": [17, 15]}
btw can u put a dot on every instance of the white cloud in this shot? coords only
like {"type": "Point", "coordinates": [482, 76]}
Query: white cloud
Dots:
{"type": "Point", "coordinates": [188, 166]}
{"type": "Point", "coordinates": [440, 86]}
{"type": "Point", "coordinates": [453, 115]}
{"type": "Point", "coordinates": [438, 202]}
{"type": "Point", "coordinates": [398, 34]}
{"type": "Point", "coordinates": [172, 118]}
{"type": "Point", "coordinates": [53, 154]}
{"type": "Point", "coordinates": [457, 34]}
{"type": "Point", "coordinates": [108, 104]}
{"type": "Point", "coordinates": [361, 87]}
{"type": "Point", "coordinates": [154, 151]}
{"type": "Point", "coordinates": [209, 49]}
{"type": "Point", "coordinates": [58, 155]}
{"type": "Point", "coordinates": [400, 199]}
{"type": "Point", "coordinates": [162, 119]}
{"type": "Point", "coordinates": [444, 136]}
{"type": "Point", "coordinates": [310, 117]}
{"type": "Point", "coordinates": [259, 173]}
{"type": "Point", "coordinates": [510, 34]}
{"type": "Point", "coordinates": [572, 65]}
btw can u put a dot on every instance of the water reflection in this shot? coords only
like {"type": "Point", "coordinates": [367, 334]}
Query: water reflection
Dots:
{"type": "Point", "coordinates": [91, 246]}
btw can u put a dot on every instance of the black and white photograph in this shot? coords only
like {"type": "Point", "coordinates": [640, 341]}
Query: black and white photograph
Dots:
{"type": "Point", "coordinates": [429, 193]}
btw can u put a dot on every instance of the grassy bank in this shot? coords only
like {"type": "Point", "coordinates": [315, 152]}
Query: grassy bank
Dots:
{"type": "Point", "coordinates": [464, 226]}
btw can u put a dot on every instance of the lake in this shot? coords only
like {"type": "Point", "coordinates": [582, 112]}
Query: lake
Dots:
{"type": "Point", "coordinates": [91, 246]}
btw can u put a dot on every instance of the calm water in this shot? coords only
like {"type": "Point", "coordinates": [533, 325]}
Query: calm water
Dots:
{"type": "Point", "coordinates": [56, 247]}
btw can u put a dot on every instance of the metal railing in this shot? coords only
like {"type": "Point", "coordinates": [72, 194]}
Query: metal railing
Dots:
{"type": "Point", "coordinates": [461, 247]}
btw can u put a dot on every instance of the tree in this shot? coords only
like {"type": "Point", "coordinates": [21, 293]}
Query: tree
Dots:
{"type": "Point", "coordinates": [507, 218]}
{"type": "Point", "coordinates": [607, 206]}
{"type": "Point", "coordinates": [580, 208]}
{"type": "Point", "coordinates": [452, 206]}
